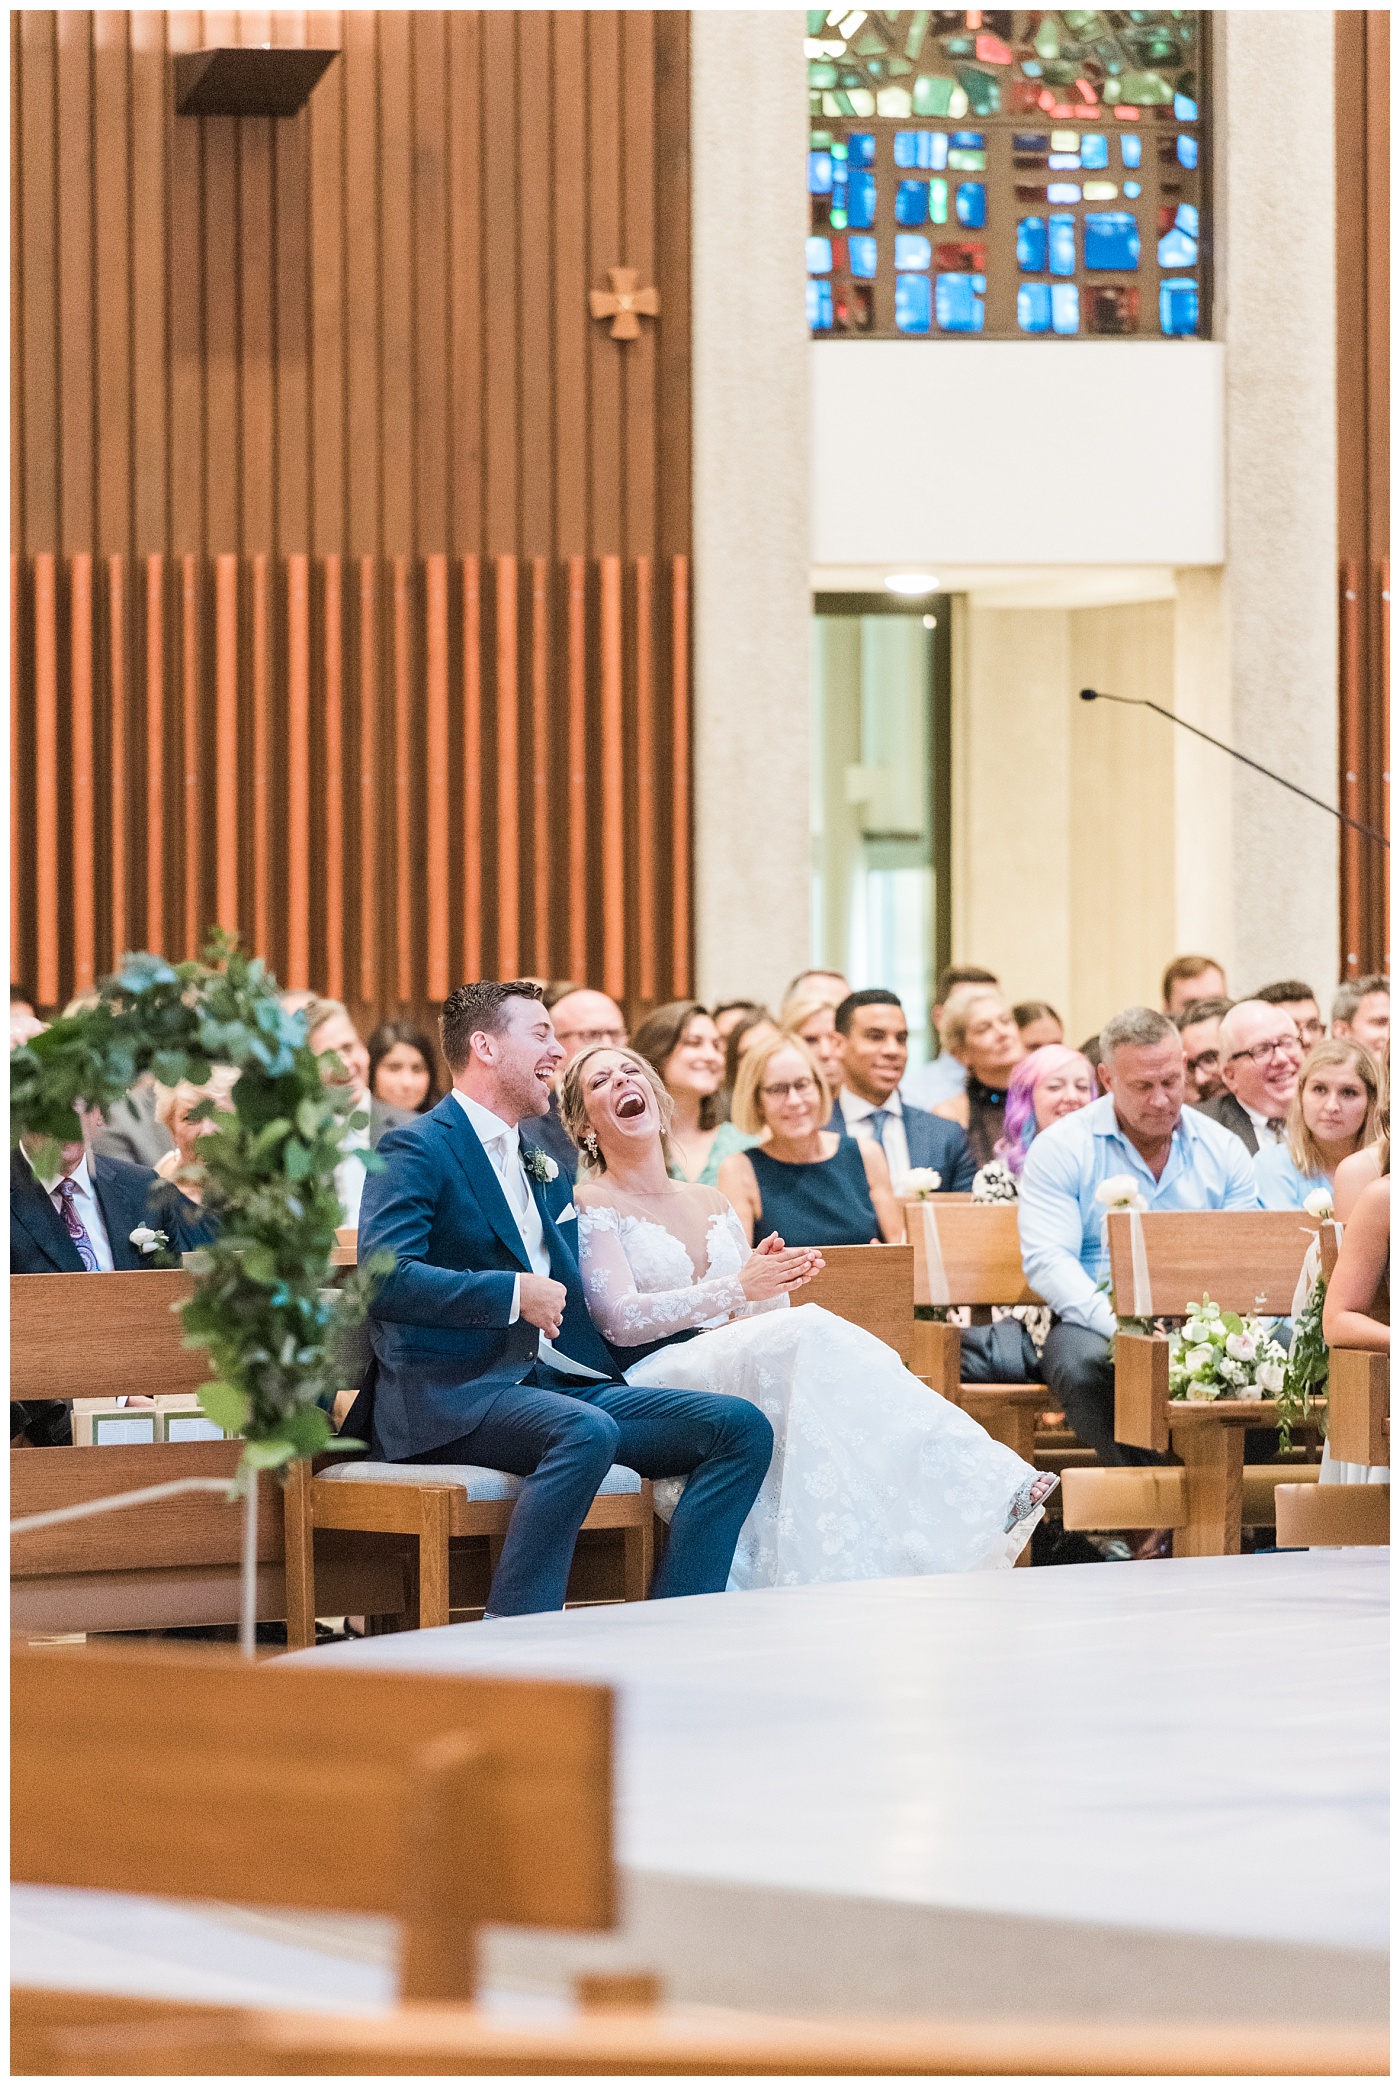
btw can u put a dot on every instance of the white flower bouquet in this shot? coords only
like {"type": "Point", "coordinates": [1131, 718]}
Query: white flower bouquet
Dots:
{"type": "Point", "coordinates": [1218, 1354]}
{"type": "Point", "coordinates": [918, 1184]}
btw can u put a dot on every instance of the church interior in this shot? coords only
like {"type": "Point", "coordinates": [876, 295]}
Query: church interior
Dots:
{"type": "Point", "coordinates": [576, 583]}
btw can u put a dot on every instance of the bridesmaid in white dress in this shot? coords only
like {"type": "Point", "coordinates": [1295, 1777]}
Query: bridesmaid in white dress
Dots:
{"type": "Point", "coordinates": [874, 1475]}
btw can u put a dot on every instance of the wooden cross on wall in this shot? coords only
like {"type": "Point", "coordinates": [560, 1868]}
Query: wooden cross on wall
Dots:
{"type": "Point", "coordinates": [623, 302]}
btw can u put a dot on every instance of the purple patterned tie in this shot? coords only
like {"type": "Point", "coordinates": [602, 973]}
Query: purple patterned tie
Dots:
{"type": "Point", "coordinates": [74, 1223]}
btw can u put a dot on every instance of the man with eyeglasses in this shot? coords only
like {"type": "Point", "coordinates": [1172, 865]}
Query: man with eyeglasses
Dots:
{"type": "Point", "coordinates": [1260, 1058]}
{"type": "Point", "coordinates": [1199, 1026]}
{"type": "Point", "coordinates": [1299, 1002]}
{"type": "Point", "coordinates": [581, 1018]}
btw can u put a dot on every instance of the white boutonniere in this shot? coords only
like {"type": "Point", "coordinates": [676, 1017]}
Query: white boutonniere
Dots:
{"type": "Point", "coordinates": [538, 1164]}
{"type": "Point", "coordinates": [918, 1184]}
{"type": "Point", "coordinates": [1120, 1192]}
{"type": "Point", "coordinates": [148, 1240]}
{"type": "Point", "coordinates": [1319, 1203]}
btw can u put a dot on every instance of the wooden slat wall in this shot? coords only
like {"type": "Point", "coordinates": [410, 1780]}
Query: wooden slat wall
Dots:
{"type": "Point", "coordinates": [343, 534]}
{"type": "Point", "coordinates": [292, 739]}
{"type": "Point", "coordinates": [1363, 475]}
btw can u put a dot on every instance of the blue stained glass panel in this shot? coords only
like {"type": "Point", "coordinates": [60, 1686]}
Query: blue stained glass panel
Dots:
{"type": "Point", "coordinates": [1062, 246]}
{"type": "Point", "coordinates": [972, 212]}
{"type": "Point", "coordinates": [1183, 108]}
{"type": "Point", "coordinates": [1032, 246]}
{"type": "Point", "coordinates": [913, 304]}
{"type": "Point", "coordinates": [865, 256]}
{"type": "Point", "coordinates": [1176, 250]}
{"type": "Point", "coordinates": [1033, 307]}
{"type": "Point", "coordinates": [819, 173]}
{"type": "Point", "coordinates": [1132, 149]}
{"type": "Point", "coordinates": [959, 305]}
{"type": "Point", "coordinates": [1059, 161]}
{"type": "Point", "coordinates": [1064, 308]}
{"type": "Point", "coordinates": [1093, 151]}
{"type": "Point", "coordinates": [861, 145]}
{"type": "Point", "coordinates": [1132, 188]}
{"type": "Point", "coordinates": [911, 203]}
{"type": "Point", "coordinates": [1031, 141]}
{"type": "Point", "coordinates": [860, 203]}
{"type": "Point", "coordinates": [1180, 306]}
{"type": "Point", "coordinates": [1187, 151]}
{"type": "Point", "coordinates": [1188, 219]}
{"type": "Point", "coordinates": [819, 257]}
{"type": "Point", "coordinates": [968, 140]}
{"type": "Point", "coordinates": [1063, 192]}
{"type": "Point", "coordinates": [911, 250]}
{"type": "Point", "coordinates": [819, 310]}
{"type": "Point", "coordinates": [1111, 239]}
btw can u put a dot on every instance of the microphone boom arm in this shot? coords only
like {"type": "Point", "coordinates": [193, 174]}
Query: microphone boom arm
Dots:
{"type": "Point", "coordinates": [1140, 702]}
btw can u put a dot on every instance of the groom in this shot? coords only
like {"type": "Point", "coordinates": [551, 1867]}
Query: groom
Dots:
{"type": "Point", "coordinates": [483, 1348]}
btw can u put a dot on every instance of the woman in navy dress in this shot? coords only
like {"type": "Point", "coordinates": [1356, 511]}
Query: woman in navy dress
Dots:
{"type": "Point", "coordinates": [811, 1186]}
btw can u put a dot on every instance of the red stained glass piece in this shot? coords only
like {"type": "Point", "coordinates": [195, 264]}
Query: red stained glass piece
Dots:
{"type": "Point", "coordinates": [1087, 91]}
{"type": "Point", "coordinates": [963, 257]}
{"type": "Point", "coordinates": [992, 51]}
{"type": "Point", "coordinates": [1126, 115]}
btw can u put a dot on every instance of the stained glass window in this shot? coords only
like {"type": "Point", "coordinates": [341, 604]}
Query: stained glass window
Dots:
{"type": "Point", "coordinates": [984, 172]}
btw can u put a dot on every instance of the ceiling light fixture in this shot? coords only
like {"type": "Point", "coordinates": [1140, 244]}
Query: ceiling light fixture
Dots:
{"type": "Point", "coordinates": [912, 582]}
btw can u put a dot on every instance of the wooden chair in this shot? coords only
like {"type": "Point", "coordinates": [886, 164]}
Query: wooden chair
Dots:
{"type": "Point", "coordinates": [1316, 1517]}
{"type": "Point", "coordinates": [1161, 1263]}
{"type": "Point", "coordinates": [968, 1253]}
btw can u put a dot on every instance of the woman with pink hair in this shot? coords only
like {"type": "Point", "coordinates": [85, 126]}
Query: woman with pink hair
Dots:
{"type": "Point", "coordinates": [1053, 1081]}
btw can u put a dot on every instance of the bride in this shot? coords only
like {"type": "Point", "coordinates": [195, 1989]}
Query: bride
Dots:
{"type": "Point", "coordinates": [874, 1475]}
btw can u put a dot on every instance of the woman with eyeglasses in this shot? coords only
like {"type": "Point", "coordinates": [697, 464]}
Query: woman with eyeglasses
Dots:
{"type": "Point", "coordinates": [807, 1184]}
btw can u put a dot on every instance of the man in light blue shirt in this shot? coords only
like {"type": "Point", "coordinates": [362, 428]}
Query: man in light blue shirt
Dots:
{"type": "Point", "coordinates": [1176, 1158]}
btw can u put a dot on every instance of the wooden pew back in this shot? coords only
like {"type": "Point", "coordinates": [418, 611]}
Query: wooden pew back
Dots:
{"type": "Point", "coordinates": [69, 1339]}
{"type": "Point", "coordinates": [1163, 1261]}
{"type": "Point", "coordinates": [458, 1800]}
{"type": "Point", "coordinates": [200, 1529]}
{"type": "Point", "coordinates": [872, 1286]}
{"type": "Point", "coordinates": [966, 1253]}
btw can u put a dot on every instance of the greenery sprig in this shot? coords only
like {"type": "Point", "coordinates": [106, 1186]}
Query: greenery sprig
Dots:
{"type": "Point", "coordinates": [275, 1333]}
{"type": "Point", "coordinates": [1305, 1373]}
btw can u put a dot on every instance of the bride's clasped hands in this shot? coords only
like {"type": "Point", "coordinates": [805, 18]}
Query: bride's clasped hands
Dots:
{"type": "Point", "coordinates": [873, 1474]}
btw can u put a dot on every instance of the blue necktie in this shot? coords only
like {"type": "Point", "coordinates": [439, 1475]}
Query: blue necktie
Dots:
{"type": "Point", "coordinates": [75, 1228]}
{"type": "Point", "coordinates": [879, 1117]}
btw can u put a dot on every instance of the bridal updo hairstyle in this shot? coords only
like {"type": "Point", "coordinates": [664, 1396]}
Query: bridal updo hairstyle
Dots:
{"type": "Point", "coordinates": [657, 1040]}
{"type": "Point", "coordinates": [746, 1112]}
{"type": "Point", "coordinates": [573, 1110]}
{"type": "Point", "coordinates": [478, 1009]}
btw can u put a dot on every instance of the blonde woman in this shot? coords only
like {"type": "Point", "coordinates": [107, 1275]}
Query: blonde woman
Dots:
{"type": "Point", "coordinates": [811, 1017]}
{"type": "Point", "coordinates": [812, 1186]}
{"type": "Point", "coordinates": [175, 1106]}
{"type": "Point", "coordinates": [979, 1030]}
{"type": "Point", "coordinates": [1332, 1115]}
{"type": "Point", "coordinates": [873, 1474]}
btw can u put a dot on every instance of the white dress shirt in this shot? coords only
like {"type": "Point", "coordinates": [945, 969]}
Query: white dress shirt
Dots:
{"type": "Point", "coordinates": [85, 1203]}
{"type": "Point", "coordinates": [1262, 1130]}
{"type": "Point", "coordinates": [893, 1141]}
{"type": "Point", "coordinates": [350, 1173]}
{"type": "Point", "coordinates": [501, 1143]}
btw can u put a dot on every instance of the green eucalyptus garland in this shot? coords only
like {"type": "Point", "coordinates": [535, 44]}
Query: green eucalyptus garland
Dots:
{"type": "Point", "coordinates": [275, 1333]}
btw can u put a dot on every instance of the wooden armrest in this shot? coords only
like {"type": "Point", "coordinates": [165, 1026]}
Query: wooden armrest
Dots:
{"type": "Point", "coordinates": [371, 1509]}
{"type": "Point", "coordinates": [1358, 1405]}
{"type": "Point", "coordinates": [1144, 1498]}
{"type": "Point", "coordinates": [1141, 1387]}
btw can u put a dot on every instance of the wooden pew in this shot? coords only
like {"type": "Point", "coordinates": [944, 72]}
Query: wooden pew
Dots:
{"type": "Point", "coordinates": [1358, 1406]}
{"type": "Point", "coordinates": [873, 1287]}
{"type": "Point", "coordinates": [1161, 1263]}
{"type": "Point", "coordinates": [174, 1563]}
{"type": "Point", "coordinates": [1318, 1517]}
{"type": "Point", "coordinates": [968, 1253]}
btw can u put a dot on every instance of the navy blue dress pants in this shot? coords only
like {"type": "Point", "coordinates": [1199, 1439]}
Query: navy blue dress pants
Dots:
{"type": "Point", "coordinates": [563, 1433]}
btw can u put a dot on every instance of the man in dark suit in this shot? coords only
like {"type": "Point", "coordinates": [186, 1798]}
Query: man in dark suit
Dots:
{"type": "Point", "coordinates": [1260, 1059]}
{"type": "Point", "coordinates": [95, 1215]}
{"type": "Point", "coordinates": [483, 1348]}
{"type": "Point", "coordinates": [875, 1050]}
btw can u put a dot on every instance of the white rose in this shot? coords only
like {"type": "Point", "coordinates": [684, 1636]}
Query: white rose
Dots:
{"type": "Point", "coordinates": [1198, 1393]}
{"type": "Point", "coordinates": [146, 1240]}
{"type": "Point", "coordinates": [1242, 1347]}
{"type": "Point", "coordinates": [1232, 1372]}
{"type": "Point", "coordinates": [1319, 1203]}
{"type": "Point", "coordinates": [1199, 1359]}
{"type": "Point", "coordinates": [1119, 1192]}
{"type": "Point", "coordinates": [1250, 1393]}
{"type": "Point", "coordinates": [1269, 1377]}
{"type": "Point", "coordinates": [918, 1182]}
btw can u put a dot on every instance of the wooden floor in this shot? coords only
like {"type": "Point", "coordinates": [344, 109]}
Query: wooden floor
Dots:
{"type": "Point", "coordinates": [1146, 1791]}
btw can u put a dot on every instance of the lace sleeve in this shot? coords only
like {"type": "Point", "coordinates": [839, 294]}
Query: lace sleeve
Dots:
{"type": "Point", "coordinates": [628, 1316]}
{"type": "Point", "coordinates": [729, 1249]}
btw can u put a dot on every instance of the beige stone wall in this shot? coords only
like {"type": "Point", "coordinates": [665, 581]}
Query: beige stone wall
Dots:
{"type": "Point", "coordinates": [752, 592]}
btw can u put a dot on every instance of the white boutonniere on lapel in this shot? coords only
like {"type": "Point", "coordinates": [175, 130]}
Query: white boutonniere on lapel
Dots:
{"type": "Point", "coordinates": [538, 1164]}
{"type": "Point", "coordinates": [148, 1240]}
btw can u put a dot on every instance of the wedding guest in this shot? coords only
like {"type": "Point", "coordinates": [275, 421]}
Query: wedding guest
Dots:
{"type": "Point", "coordinates": [1090, 1049]}
{"type": "Point", "coordinates": [1038, 1023]}
{"type": "Point", "coordinates": [1362, 1009]}
{"type": "Point", "coordinates": [730, 1014]}
{"type": "Point", "coordinates": [175, 1106]}
{"type": "Point", "coordinates": [980, 1030]}
{"type": "Point", "coordinates": [132, 1130]}
{"type": "Point", "coordinates": [1051, 1083]}
{"type": "Point", "coordinates": [1299, 1003]}
{"type": "Point", "coordinates": [582, 1018]}
{"type": "Point", "coordinates": [1356, 1309]}
{"type": "Point", "coordinates": [813, 1019]}
{"type": "Point", "coordinates": [819, 982]}
{"type": "Point", "coordinates": [1260, 1057]}
{"type": "Point", "coordinates": [681, 1042]}
{"type": "Point", "coordinates": [331, 1032]}
{"type": "Point", "coordinates": [944, 1077]}
{"type": "Point", "coordinates": [297, 1000]}
{"type": "Point", "coordinates": [874, 1054]}
{"type": "Point", "coordinates": [1332, 1115]}
{"type": "Point", "coordinates": [403, 1069]}
{"type": "Point", "coordinates": [1177, 1160]}
{"type": "Point", "coordinates": [1188, 978]}
{"type": "Point", "coordinates": [1199, 1027]}
{"type": "Point", "coordinates": [811, 1186]}
{"type": "Point", "coordinates": [1356, 1174]}
{"type": "Point", "coordinates": [755, 1026]}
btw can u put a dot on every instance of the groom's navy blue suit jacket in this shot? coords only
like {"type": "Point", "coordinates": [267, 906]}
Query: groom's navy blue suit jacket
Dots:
{"type": "Point", "coordinates": [439, 1324]}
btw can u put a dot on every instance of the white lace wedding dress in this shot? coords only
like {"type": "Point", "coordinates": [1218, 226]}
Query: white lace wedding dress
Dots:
{"type": "Point", "coordinates": [874, 1475]}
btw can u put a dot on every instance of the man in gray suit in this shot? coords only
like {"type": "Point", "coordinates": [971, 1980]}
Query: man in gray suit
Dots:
{"type": "Point", "coordinates": [1260, 1058]}
{"type": "Point", "coordinates": [329, 1029]}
